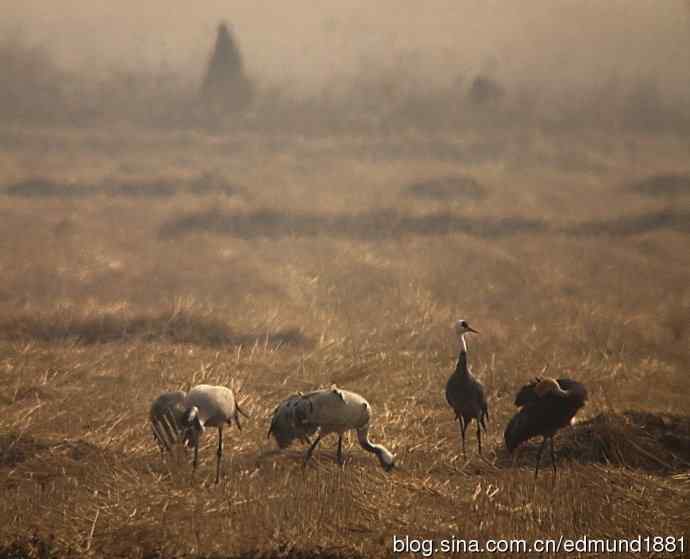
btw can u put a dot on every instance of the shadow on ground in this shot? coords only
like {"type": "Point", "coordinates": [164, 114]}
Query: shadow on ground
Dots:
{"type": "Point", "coordinates": [176, 328]}
{"type": "Point", "coordinates": [457, 187]}
{"type": "Point", "coordinates": [669, 220]}
{"type": "Point", "coordinates": [392, 224]}
{"type": "Point", "coordinates": [205, 184]}
{"type": "Point", "coordinates": [375, 225]}
{"type": "Point", "coordinates": [662, 186]}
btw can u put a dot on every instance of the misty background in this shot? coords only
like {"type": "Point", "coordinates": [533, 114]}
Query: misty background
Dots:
{"type": "Point", "coordinates": [354, 63]}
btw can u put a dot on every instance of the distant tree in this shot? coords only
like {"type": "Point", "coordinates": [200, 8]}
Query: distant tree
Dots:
{"type": "Point", "coordinates": [226, 86]}
{"type": "Point", "coordinates": [485, 90]}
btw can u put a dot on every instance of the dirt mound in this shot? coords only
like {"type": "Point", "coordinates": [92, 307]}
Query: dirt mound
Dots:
{"type": "Point", "coordinates": [446, 188]}
{"type": "Point", "coordinates": [634, 439]}
{"type": "Point", "coordinates": [651, 442]}
{"type": "Point", "coordinates": [662, 185]}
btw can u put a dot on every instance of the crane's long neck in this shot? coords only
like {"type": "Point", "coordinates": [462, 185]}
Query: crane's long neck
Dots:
{"type": "Point", "coordinates": [462, 368]}
{"type": "Point", "coordinates": [385, 457]}
{"type": "Point", "coordinates": [558, 391]}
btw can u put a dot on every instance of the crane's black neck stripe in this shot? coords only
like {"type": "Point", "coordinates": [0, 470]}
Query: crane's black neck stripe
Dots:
{"type": "Point", "coordinates": [461, 367]}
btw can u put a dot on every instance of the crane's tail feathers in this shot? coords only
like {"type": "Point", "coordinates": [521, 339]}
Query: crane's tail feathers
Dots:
{"type": "Point", "coordinates": [165, 431]}
{"type": "Point", "coordinates": [158, 437]}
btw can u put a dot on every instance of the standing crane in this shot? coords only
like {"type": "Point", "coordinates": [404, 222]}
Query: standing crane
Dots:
{"type": "Point", "coordinates": [210, 406]}
{"type": "Point", "coordinates": [464, 393]}
{"type": "Point", "coordinates": [183, 417]}
{"type": "Point", "coordinates": [547, 405]}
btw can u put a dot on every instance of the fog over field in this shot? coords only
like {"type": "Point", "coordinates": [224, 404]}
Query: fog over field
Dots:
{"type": "Point", "coordinates": [307, 43]}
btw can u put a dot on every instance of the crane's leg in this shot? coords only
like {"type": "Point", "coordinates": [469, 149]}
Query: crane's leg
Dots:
{"type": "Point", "coordinates": [307, 456]}
{"type": "Point", "coordinates": [340, 450]}
{"type": "Point", "coordinates": [239, 409]}
{"type": "Point", "coordinates": [463, 427]}
{"type": "Point", "coordinates": [479, 436]}
{"type": "Point", "coordinates": [541, 448]}
{"type": "Point", "coordinates": [516, 454]}
{"type": "Point", "coordinates": [219, 454]}
{"type": "Point", "coordinates": [553, 459]}
{"type": "Point", "coordinates": [196, 454]}
{"type": "Point", "coordinates": [237, 421]}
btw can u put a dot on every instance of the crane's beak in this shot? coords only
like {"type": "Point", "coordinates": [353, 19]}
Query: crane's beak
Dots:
{"type": "Point", "coordinates": [472, 329]}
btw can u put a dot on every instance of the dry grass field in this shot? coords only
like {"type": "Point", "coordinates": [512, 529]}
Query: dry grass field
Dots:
{"type": "Point", "coordinates": [134, 261]}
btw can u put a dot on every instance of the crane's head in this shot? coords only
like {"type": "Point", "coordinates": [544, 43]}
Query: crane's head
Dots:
{"type": "Point", "coordinates": [462, 327]}
{"type": "Point", "coordinates": [193, 427]}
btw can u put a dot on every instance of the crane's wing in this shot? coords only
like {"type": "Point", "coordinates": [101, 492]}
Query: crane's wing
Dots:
{"type": "Point", "coordinates": [527, 395]}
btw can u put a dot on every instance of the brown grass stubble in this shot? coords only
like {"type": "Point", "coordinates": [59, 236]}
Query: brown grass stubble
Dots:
{"type": "Point", "coordinates": [99, 313]}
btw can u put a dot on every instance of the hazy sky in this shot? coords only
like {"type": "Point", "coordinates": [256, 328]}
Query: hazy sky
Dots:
{"type": "Point", "coordinates": [310, 41]}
